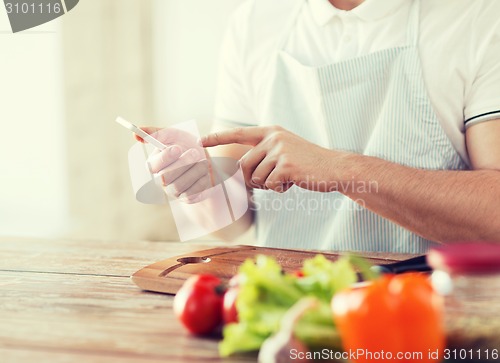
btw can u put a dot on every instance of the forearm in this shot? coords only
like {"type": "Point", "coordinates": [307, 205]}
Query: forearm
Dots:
{"type": "Point", "coordinates": [438, 205]}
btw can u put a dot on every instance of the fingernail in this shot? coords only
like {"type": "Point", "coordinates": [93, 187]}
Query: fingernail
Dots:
{"type": "Point", "coordinates": [175, 151]}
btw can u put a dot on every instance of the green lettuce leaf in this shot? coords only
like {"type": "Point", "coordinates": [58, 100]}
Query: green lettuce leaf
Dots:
{"type": "Point", "coordinates": [266, 294]}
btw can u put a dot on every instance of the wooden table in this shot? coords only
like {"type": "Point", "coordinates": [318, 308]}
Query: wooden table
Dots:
{"type": "Point", "coordinates": [73, 301]}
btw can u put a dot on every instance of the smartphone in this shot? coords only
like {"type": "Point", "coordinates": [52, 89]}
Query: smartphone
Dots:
{"type": "Point", "coordinates": [146, 137]}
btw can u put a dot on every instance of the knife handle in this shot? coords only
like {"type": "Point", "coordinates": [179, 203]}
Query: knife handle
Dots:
{"type": "Point", "coordinates": [418, 264]}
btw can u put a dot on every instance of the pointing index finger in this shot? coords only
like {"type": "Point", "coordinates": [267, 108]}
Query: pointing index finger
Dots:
{"type": "Point", "coordinates": [240, 135]}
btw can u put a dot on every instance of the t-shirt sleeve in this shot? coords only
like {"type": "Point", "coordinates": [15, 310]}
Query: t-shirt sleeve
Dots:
{"type": "Point", "coordinates": [233, 101]}
{"type": "Point", "coordinates": [483, 97]}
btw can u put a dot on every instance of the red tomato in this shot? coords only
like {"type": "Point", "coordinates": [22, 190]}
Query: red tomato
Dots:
{"type": "Point", "coordinates": [229, 312]}
{"type": "Point", "coordinates": [299, 273]}
{"type": "Point", "coordinates": [198, 304]}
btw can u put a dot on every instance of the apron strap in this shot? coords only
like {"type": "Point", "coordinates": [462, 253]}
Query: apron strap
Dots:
{"type": "Point", "coordinates": [413, 28]}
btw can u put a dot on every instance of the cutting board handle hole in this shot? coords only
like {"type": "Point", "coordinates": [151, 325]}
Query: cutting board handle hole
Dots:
{"type": "Point", "coordinates": [192, 260]}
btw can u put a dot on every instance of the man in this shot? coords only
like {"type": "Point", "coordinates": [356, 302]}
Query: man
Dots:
{"type": "Point", "coordinates": [364, 125]}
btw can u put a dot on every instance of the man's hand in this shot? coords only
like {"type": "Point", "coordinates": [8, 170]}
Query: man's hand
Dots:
{"type": "Point", "coordinates": [183, 165]}
{"type": "Point", "coordinates": [280, 159]}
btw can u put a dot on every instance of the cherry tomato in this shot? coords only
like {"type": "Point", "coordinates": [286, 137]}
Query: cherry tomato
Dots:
{"type": "Point", "coordinates": [299, 273]}
{"type": "Point", "coordinates": [198, 304]}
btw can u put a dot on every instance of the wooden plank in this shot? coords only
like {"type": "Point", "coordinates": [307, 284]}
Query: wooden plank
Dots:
{"type": "Point", "coordinates": [115, 258]}
{"type": "Point", "coordinates": [93, 317]}
{"type": "Point", "coordinates": [23, 355]}
{"type": "Point", "coordinates": [111, 258]}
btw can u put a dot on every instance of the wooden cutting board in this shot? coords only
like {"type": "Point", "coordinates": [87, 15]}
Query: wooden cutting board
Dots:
{"type": "Point", "coordinates": [167, 276]}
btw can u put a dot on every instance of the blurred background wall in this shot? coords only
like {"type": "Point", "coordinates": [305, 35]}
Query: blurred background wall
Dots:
{"type": "Point", "coordinates": [63, 160]}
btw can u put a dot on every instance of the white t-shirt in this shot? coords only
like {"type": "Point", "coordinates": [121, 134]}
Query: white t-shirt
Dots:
{"type": "Point", "coordinates": [459, 46]}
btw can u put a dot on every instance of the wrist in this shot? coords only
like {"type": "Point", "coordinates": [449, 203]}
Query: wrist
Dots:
{"type": "Point", "coordinates": [350, 173]}
{"type": "Point", "coordinates": [361, 174]}
{"type": "Point", "coordinates": [339, 167]}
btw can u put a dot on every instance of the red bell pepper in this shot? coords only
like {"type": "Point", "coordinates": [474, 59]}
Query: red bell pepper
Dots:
{"type": "Point", "coordinates": [394, 318]}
